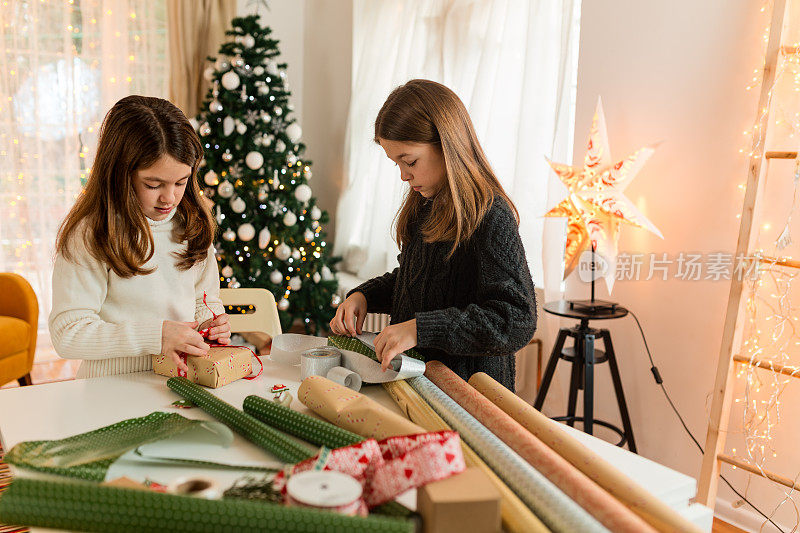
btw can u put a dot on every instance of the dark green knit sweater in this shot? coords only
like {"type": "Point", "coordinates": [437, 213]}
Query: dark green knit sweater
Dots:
{"type": "Point", "coordinates": [474, 310]}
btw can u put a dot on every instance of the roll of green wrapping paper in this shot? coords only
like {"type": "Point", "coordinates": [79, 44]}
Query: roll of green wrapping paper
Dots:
{"type": "Point", "coordinates": [260, 434]}
{"type": "Point", "coordinates": [300, 425]}
{"type": "Point", "coordinates": [90, 507]}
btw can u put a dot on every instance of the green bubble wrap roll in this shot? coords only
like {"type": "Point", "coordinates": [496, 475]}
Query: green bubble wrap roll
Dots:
{"type": "Point", "coordinates": [88, 507]}
{"type": "Point", "coordinates": [300, 425]}
{"type": "Point", "coordinates": [260, 434]}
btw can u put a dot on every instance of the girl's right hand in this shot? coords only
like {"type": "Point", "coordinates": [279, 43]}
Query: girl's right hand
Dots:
{"type": "Point", "coordinates": [350, 315]}
{"type": "Point", "coordinates": [181, 337]}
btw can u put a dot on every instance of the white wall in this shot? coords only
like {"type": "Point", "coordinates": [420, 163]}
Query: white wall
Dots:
{"type": "Point", "coordinates": [675, 72]}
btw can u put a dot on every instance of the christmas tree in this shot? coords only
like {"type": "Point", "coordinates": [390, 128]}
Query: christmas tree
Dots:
{"type": "Point", "coordinates": [270, 227]}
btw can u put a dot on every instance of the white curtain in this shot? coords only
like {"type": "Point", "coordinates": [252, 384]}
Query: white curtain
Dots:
{"type": "Point", "coordinates": [514, 65]}
{"type": "Point", "coordinates": [63, 64]}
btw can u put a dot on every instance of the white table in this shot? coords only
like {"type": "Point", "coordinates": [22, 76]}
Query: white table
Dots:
{"type": "Point", "coordinates": [58, 410]}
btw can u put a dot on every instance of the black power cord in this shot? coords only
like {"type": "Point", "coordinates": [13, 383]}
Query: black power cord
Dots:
{"type": "Point", "coordinates": [660, 382]}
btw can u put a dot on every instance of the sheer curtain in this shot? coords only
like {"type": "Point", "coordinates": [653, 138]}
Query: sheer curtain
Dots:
{"type": "Point", "coordinates": [63, 64]}
{"type": "Point", "coordinates": [514, 65]}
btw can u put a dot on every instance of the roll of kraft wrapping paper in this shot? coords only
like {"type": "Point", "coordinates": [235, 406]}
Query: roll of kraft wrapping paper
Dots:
{"type": "Point", "coordinates": [558, 512]}
{"type": "Point", "coordinates": [517, 518]}
{"type": "Point", "coordinates": [637, 498]}
{"type": "Point", "coordinates": [260, 434]}
{"type": "Point", "coordinates": [597, 502]}
{"type": "Point", "coordinates": [90, 507]}
{"type": "Point", "coordinates": [300, 425]}
{"type": "Point", "coordinates": [352, 410]}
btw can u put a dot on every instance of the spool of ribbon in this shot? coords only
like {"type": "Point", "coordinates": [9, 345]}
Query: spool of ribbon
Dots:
{"type": "Point", "coordinates": [326, 490]}
{"type": "Point", "coordinates": [319, 361]}
{"type": "Point", "coordinates": [288, 348]}
{"type": "Point", "coordinates": [343, 376]}
{"type": "Point", "coordinates": [197, 486]}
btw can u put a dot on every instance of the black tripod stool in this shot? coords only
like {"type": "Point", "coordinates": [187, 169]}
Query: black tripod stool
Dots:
{"type": "Point", "coordinates": [584, 357]}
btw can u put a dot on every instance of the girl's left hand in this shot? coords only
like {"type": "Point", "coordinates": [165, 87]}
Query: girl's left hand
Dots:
{"type": "Point", "coordinates": [394, 340]}
{"type": "Point", "coordinates": [220, 331]}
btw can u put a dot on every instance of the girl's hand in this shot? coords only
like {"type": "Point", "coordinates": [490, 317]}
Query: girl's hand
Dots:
{"type": "Point", "coordinates": [180, 337]}
{"type": "Point", "coordinates": [350, 315]}
{"type": "Point", "coordinates": [220, 329]}
{"type": "Point", "coordinates": [394, 340]}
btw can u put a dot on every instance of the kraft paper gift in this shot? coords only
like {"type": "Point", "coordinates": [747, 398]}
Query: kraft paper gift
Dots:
{"type": "Point", "coordinates": [222, 365]}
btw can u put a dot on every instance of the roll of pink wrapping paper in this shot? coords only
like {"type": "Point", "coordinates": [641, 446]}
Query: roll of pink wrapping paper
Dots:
{"type": "Point", "coordinates": [637, 498]}
{"type": "Point", "coordinates": [597, 502]}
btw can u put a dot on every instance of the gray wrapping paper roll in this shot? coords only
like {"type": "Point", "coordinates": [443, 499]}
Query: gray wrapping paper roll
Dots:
{"type": "Point", "coordinates": [345, 377]}
{"type": "Point", "coordinates": [558, 512]}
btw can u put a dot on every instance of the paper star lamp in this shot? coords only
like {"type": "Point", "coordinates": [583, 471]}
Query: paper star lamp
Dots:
{"type": "Point", "coordinates": [596, 207]}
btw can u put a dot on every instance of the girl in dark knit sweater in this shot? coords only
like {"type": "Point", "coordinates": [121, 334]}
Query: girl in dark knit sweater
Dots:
{"type": "Point", "coordinates": [463, 292]}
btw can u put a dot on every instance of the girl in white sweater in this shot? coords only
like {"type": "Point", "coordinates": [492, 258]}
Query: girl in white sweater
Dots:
{"type": "Point", "coordinates": [134, 256]}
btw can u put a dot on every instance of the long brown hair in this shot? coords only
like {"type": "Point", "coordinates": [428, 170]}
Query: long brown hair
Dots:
{"type": "Point", "coordinates": [136, 133]}
{"type": "Point", "coordinates": [423, 111]}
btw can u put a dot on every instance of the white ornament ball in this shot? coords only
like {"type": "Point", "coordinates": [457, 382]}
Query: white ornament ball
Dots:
{"type": "Point", "coordinates": [263, 193]}
{"type": "Point", "coordinates": [241, 128]}
{"type": "Point", "coordinates": [266, 139]}
{"type": "Point", "coordinates": [215, 106]}
{"type": "Point", "coordinates": [295, 283]}
{"type": "Point", "coordinates": [280, 146]}
{"type": "Point", "coordinates": [248, 41]}
{"type": "Point", "coordinates": [227, 156]}
{"type": "Point", "coordinates": [208, 74]}
{"type": "Point", "coordinates": [211, 178]}
{"type": "Point", "coordinates": [303, 193]}
{"type": "Point", "coordinates": [263, 238]}
{"type": "Point", "coordinates": [315, 213]}
{"type": "Point", "coordinates": [283, 304]}
{"type": "Point", "coordinates": [221, 64]}
{"type": "Point", "coordinates": [227, 271]}
{"type": "Point", "coordinates": [227, 126]}
{"type": "Point", "coordinates": [263, 90]}
{"type": "Point", "coordinates": [294, 132]}
{"type": "Point", "coordinates": [229, 235]}
{"type": "Point", "coordinates": [205, 129]}
{"type": "Point", "coordinates": [290, 219]}
{"type": "Point", "coordinates": [283, 252]}
{"type": "Point", "coordinates": [336, 300]}
{"type": "Point", "coordinates": [278, 111]}
{"type": "Point", "coordinates": [275, 277]}
{"type": "Point", "coordinates": [327, 275]}
{"type": "Point", "coordinates": [254, 160]}
{"type": "Point", "coordinates": [296, 254]}
{"type": "Point", "coordinates": [237, 62]}
{"type": "Point", "coordinates": [316, 277]}
{"type": "Point", "coordinates": [308, 235]}
{"type": "Point", "coordinates": [258, 70]}
{"type": "Point", "coordinates": [246, 232]}
{"type": "Point", "coordinates": [234, 284]}
{"type": "Point", "coordinates": [225, 189]}
{"type": "Point", "coordinates": [291, 159]}
{"type": "Point", "coordinates": [238, 205]}
{"type": "Point", "coordinates": [272, 68]}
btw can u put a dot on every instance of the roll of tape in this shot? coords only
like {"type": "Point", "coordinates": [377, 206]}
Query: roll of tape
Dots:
{"type": "Point", "coordinates": [326, 490]}
{"type": "Point", "coordinates": [197, 486]}
{"type": "Point", "coordinates": [319, 361]}
{"type": "Point", "coordinates": [345, 377]}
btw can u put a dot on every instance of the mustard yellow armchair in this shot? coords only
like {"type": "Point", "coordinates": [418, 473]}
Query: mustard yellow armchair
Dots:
{"type": "Point", "coordinates": [19, 319]}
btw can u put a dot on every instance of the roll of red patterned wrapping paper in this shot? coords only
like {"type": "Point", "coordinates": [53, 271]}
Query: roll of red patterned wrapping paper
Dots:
{"type": "Point", "coordinates": [597, 502]}
{"type": "Point", "coordinates": [637, 498]}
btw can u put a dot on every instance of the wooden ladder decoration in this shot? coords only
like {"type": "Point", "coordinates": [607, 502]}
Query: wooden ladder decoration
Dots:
{"type": "Point", "coordinates": [732, 333]}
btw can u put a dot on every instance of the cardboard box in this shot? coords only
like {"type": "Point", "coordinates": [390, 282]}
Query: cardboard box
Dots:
{"type": "Point", "coordinates": [222, 365]}
{"type": "Point", "coordinates": [465, 502]}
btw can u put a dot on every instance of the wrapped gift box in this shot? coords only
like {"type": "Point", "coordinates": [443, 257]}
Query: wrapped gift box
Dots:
{"type": "Point", "coordinates": [464, 502]}
{"type": "Point", "coordinates": [221, 366]}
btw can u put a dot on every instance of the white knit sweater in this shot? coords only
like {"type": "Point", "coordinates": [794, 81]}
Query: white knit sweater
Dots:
{"type": "Point", "coordinates": [113, 323]}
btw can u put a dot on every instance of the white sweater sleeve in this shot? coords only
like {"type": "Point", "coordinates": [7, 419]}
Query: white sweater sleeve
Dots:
{"type": "Point", "coordinates": [77, 331]}
{"type": "Point", "coordinates": [207, 282]}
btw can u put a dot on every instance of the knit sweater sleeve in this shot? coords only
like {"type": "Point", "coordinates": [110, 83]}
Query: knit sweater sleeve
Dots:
{"type": "Point", "coordinates": [379, 292]}
{"type": "Point", "coordinates": [207, 283]}
{"type": "Point", "coordinates": [503, 318]}
{"type": "Point", "coordinates": [77, 331]}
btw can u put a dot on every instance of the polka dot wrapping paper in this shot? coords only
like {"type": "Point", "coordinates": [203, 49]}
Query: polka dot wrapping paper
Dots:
{"type": "Point", "coordinates": [81, 506]}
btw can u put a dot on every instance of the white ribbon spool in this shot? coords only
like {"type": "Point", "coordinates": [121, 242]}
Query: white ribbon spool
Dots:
{"type": "Point", "coordinates": [325, 490]}
{"type": "Point", "coordinates": [197, 486]}
{"type": "Point", "coordinates": [319, 361]}
{"type": "Point", "coordinates": [343, 376]}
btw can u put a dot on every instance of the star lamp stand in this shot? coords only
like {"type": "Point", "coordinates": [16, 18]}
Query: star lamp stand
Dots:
{"type": "Point", "coordinates": [592, 305]}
